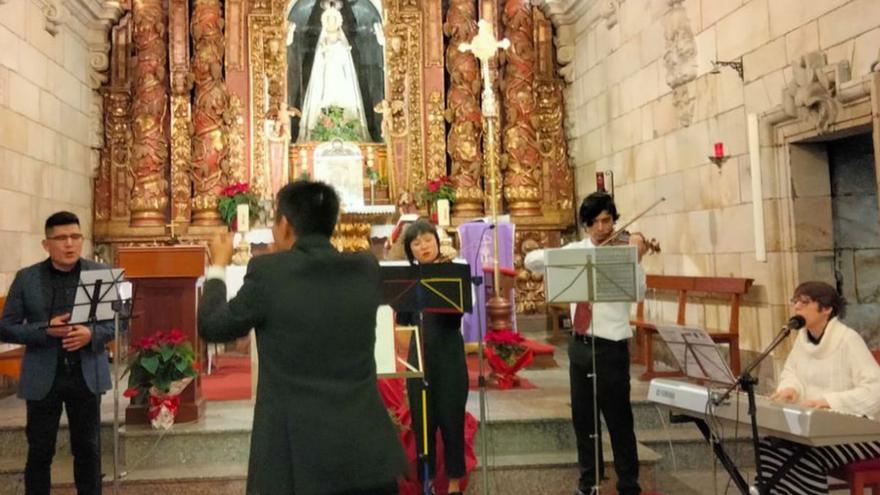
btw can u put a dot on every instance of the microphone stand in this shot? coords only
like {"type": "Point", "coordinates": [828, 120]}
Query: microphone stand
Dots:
{"type": "Point", "coordinates": [747, 382]}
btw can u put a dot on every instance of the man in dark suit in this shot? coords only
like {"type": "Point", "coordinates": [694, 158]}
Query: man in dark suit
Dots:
{"type": "Point", "coordinates": [319, 423]}
{"type": "Point", "coordinates": [63, 364]}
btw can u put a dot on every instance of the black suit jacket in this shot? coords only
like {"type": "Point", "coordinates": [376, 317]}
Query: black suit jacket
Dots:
{"type": "Point", "coordinates": [25, 319]}
{"type": "Point", "coordinates": [320, 425]}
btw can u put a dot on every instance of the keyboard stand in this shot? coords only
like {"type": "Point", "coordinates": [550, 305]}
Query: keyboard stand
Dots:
{"type": "Point", "coordinates": [741, 484]}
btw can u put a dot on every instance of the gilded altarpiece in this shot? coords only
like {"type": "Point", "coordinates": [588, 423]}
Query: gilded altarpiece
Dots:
{"type": "Point", "coordinates": [197, 98]}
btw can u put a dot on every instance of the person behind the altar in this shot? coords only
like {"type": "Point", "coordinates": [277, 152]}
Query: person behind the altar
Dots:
{"type": "Point", "coordinates": [320, 426]}
{"type": "Point", "coordinates": [65, 365]}
{"type": "Point", "coordinates": [609, 323]}
{"type": "Point", "coordinates": [444, 365]}
{"type": "Point", "coordinates": [829, 367]}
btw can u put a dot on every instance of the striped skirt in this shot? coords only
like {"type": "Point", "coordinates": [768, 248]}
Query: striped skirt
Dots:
{"type": "Point", "coordinates": [809, 475]}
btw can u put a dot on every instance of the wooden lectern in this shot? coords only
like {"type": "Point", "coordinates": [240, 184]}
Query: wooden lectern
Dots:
{"type": "Point", "coordinates": [164, 279]}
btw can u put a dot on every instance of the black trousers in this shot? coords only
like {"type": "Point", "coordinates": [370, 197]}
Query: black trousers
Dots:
{"type": "Point", "coordinates": [390, 489]}
{"type": "Point", "coordinates": [612, 368]}
{"type": "Point", "coordinates": [83, 415]}
{"type": "Point", "coordinates": [446, 373]}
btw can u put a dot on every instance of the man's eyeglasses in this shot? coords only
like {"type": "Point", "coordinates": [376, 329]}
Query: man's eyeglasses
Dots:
{"type": "Point", "coordinates": [802, 300]}
{"type": "Point", "coordinates": [65, 238]}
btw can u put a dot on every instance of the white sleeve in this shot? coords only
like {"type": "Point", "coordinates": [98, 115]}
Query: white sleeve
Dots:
{"type": "Point", "coordinates": [864, 398]}
{"type": "Point", "coordinates": [535, 261]}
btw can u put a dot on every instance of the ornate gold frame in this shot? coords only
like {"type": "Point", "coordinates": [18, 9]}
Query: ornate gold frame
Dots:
{"type": "Point", "coordinates": [405, 117]}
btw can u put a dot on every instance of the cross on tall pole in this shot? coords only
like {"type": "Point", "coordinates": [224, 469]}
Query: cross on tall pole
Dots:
{"type": "Point", "coordinates": [485, 46]}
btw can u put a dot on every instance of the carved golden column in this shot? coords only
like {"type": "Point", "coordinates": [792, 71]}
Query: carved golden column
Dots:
{"type": "Point", "coordinates": [209, 143]}
{"type": "Point", "coordinates": [522, 178]}
{"type": "Point", "coordinates": [181, 123]}
{"type": "Point", "coordinates": [463, 110]}
{"type": "Point", "coordinates": [149, 116]}
{"type": "Point", "coordinates": [558, 190]}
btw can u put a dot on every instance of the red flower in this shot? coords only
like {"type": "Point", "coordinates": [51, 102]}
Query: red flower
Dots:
{"type": "Point", "coordinates": [175, 337]}
{"type": "Point", "coordinates": [145, 343]}
{"type": "Point", "coordinates": [433, 186]}
{"type": "Point", "coordinates": [131, 392]}
{"type": "Point", "coordinates": [504, 337]}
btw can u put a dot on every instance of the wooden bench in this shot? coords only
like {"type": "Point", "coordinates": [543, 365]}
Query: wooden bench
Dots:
{"type": "Point", "coordinates": [10, 361]}
{"type": "Point", "coordinates": [729, 287]}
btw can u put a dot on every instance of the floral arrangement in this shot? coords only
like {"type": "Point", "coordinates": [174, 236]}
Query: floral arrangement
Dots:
{"type": "Point", "coordinates": [237, 194]}
{"type": "Point", "coordinates": [332, 124]}
{"type": "Point", "coordinates": [506, 356]}
{"type": "Point", "coordinates": [439, 188]}
{"type": "Point", "coordinates": [163, 365]}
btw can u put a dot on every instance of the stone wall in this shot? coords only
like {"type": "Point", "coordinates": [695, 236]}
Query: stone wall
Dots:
{"type": "Point", "coordinates": [645, 103]}
{"type": "Point", "coordinates": [52, 55]}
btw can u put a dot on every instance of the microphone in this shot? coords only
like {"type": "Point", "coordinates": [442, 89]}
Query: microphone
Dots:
{"type": "Point", "coordinates": [796, 322]}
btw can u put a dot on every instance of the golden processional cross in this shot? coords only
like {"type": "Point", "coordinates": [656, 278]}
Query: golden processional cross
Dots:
{"type": "Point", "coordinates": [484, 46]}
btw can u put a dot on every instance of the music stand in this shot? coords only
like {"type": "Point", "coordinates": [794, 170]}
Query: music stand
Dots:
{"type": "Point", "coordinates": [102, 296]}
{"type": "Point", "coordinates": [696, 353]}
{"type": "Point", "coordinates": [589, 274]}
{"type": "Point", "coordinates": [430, 288]}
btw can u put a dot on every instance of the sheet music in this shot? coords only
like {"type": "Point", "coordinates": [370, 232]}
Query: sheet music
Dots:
{"type": "Point", "coordinates": [108, 294]}
{"type": "Point", "coordinates": [607, 274]}
{"type": "Point", "coordinates": [386, 358]}
{"type": "Point", "coordinates": [614, 271]}
{"type": "Point", "coordinates": [696, 353]}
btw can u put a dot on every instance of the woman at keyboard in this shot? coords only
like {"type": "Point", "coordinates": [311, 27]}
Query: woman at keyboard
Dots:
{"type": "Point", "coordinates": [829, 367]}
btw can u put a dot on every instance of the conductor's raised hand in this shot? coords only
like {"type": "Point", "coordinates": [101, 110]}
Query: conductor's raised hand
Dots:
{"type": "Point", "coordinates": [78, 337]}
{"type": "Point", "coordinates": [58, 327]}
{"type": "Point", "coordinates": [220, 249]}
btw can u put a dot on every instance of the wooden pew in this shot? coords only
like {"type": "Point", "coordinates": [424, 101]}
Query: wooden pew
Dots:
{"type": "Point", "coordinates": [722, 287]}
{"type": "Point", "coordinates": [10, 361]}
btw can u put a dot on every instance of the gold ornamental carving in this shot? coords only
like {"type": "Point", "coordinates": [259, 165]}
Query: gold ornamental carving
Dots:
{"type": "Point", "coordinates": [559, 190]}
{"type": "Point", "coordinates": [113, 184]}
{"type": "Point", "coordinates": [268, 66]}
{"type": "Point", "coordinates": [149, 116]}
{"type": "Point", "coordinates": [522, 178]}
{"type": "Point", "coordinates": [530, 285]}
{"type": "Point", "coordinates": [436, 136]}
{"type": "Point", "coordinates": [181, 85]}
{"type": "Point", "coordinates": [463, 110]}
{"type": "Point", "coordinates": [210, 105]}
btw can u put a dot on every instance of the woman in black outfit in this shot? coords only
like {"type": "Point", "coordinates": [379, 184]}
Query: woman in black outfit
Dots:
{"type": "Point", "coordinates": [445, 368]}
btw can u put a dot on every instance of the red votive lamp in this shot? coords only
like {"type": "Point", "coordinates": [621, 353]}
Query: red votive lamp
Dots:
{"type": "Point", "coordinates": [719, 150]}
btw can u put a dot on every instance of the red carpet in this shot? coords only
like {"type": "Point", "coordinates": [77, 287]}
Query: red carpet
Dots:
{"type": "Point", "coordinates": [231, 379]}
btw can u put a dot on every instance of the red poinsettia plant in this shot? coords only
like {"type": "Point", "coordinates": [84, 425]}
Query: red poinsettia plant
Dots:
{"type": "Point", "coordinates": [507, 355]}
{"type": "Point", "coordinates": [439, 188]}
{"type": "Point", "coordinates": [163, 365]}
{"type": "Point", "coordinates": [236, 194]}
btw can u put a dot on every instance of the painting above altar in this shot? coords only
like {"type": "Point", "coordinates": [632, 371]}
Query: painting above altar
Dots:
{"type": "Point", "coordinates": [335, 70]}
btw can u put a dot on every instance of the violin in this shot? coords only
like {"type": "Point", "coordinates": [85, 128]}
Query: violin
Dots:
{"type": "Point", "coordinates": [622, 236]}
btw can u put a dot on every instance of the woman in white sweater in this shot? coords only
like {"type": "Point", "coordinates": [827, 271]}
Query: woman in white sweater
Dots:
{"type": "Point", "coordinates": [829, 367]}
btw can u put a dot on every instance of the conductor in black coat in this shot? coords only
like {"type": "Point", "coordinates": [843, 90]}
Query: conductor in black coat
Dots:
{"type": "Point", "coordinates": [445, 368]}
{"type": "Point", "coordinates": [319, 424]}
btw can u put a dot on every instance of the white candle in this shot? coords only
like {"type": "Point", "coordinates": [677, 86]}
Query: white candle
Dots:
{"type": "Point", "coordinates": [443, 212]}
{"type": "Point", "coordinates": [243, 218]}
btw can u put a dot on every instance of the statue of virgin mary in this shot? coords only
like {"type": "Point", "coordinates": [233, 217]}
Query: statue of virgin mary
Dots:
{"type": "Point", "coordinates": [333, 80]}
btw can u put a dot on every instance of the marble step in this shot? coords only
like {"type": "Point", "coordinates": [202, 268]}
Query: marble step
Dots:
{"type": "Point", "coordinates": [525, 474]}
{"type": "Point", "coordinates": [13, 440]}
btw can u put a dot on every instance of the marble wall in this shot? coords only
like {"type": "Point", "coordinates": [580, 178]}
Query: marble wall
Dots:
{"type": "Point", "coordinates": [52, 57]}
{"type": "Point", "coordinates": [645, 103]}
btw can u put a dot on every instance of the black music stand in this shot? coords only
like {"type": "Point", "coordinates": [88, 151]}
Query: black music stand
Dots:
{"type": "Point", "coordinates": [594, 275]}
{"type": "Point", "coordinates": [431, 288]}
{"type": "Point", "coordinates": [103, 296]}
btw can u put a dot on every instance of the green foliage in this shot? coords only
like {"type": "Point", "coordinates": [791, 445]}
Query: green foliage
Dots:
{"type": "Point", "coordinates": [332, 124]}
{"type": "Point", "coordinates": [160, 360]}
{"type": "Point", "coordinates": [234, 195]}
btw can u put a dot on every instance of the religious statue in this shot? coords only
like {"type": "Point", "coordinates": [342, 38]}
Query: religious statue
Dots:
{"type": "Point", "coordinates": [333, 86]}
